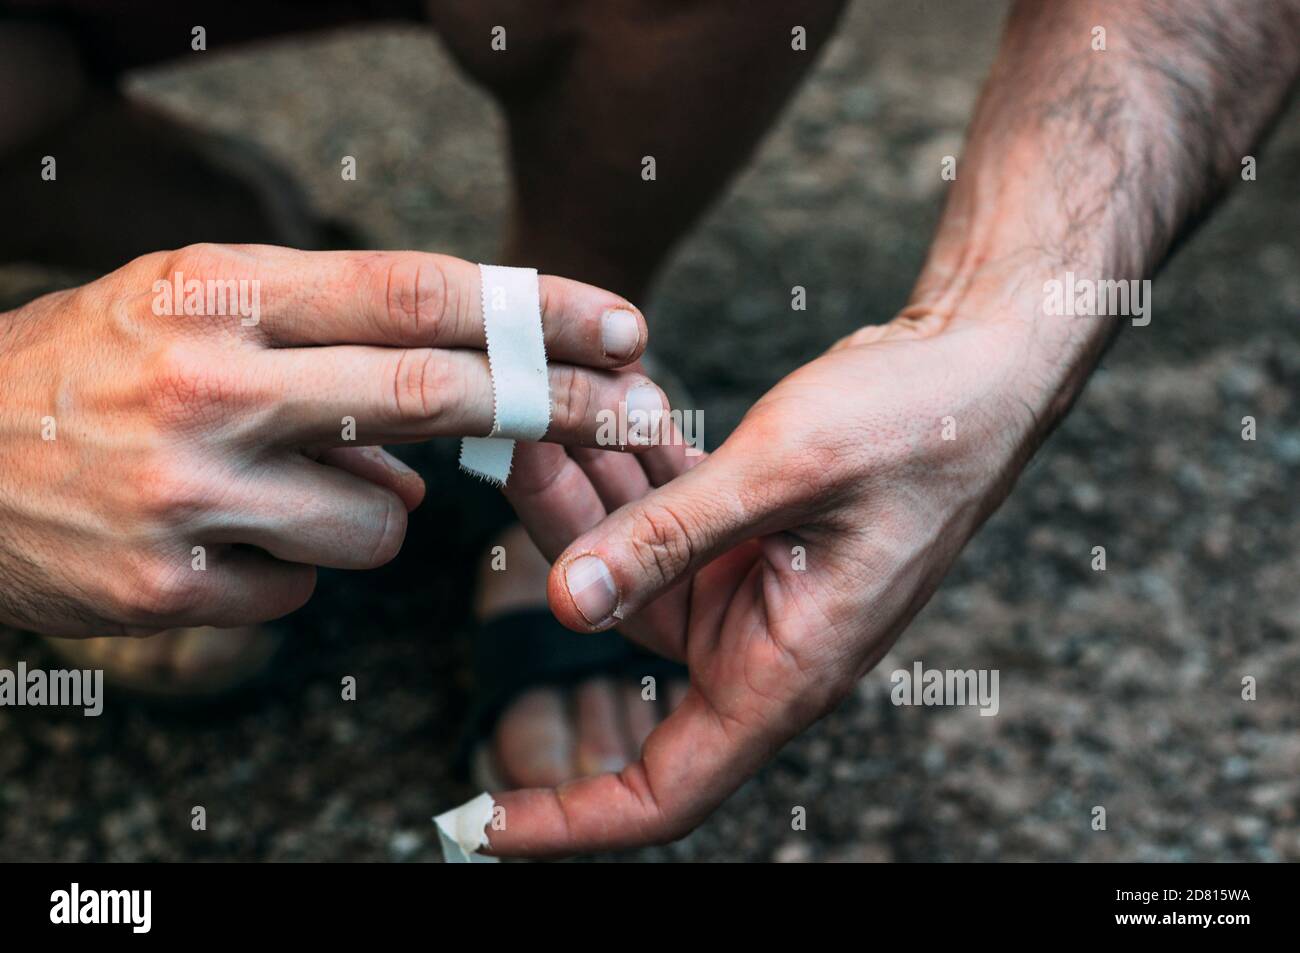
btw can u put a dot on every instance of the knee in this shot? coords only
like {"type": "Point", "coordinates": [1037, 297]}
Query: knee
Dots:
{"type": "Point", "coordinates": [506, 45]}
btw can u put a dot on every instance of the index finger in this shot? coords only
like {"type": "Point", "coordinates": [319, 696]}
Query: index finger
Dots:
{"type": "Point", "coordinates": [415, 299]}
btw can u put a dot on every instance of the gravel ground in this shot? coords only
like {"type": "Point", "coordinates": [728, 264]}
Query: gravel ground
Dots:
{"type": "Point", "coordinates": [1120, 689]}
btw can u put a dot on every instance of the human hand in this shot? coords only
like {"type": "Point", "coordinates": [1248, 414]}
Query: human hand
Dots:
{"type": "Point", "coordinates": [1073, 162]}
{"type": "Point", "coordinates": [129, 438]}
{"type": "Point", "coordinates": [845, 469]}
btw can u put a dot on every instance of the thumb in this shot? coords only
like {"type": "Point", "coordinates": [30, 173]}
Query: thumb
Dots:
{"type": "Point", "coordinates": [643, 548]}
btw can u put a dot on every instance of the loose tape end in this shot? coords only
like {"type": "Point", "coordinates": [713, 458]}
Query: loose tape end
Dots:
{"type": "Point", "coordinates": [488, 458]}
{"type": "Point", "coordinates": [462, 831]}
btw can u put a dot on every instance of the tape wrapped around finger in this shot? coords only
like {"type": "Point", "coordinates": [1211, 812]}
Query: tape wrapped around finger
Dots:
{"type": "Point", "coordinates": [521, 390]}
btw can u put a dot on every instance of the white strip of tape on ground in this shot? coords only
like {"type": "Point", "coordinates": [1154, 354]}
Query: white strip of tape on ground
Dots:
{"type": "Point", "coordinates": [521, 390]}
{"type": "Point", "coordinates": [462, 831]}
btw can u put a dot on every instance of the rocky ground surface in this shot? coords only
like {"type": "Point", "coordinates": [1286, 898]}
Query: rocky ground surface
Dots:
{"type": "Point", "coordinates": [1120, 689]}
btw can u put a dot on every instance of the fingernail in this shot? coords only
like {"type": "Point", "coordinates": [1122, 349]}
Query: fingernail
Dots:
{"type": "Point", "coordinates": [645, 407]}
{"type": "Point", "coordinates": [591, 587]}
{"type": "Point", "coordinates": [612, 764]}
{"type": "Point", "coordinates": [620, 333]}
{"type": "Point", "coordinates": [551, 760]}
{"type": "Point", "coordinates": [590, 763]}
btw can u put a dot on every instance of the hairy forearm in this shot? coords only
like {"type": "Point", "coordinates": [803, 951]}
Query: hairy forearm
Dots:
{"type": "Point", "coordinates": [1099, 161]}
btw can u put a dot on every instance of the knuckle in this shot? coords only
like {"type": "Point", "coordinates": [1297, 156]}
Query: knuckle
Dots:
{"type": "Point", "coordinates": [795, 465]}
{"type": "Point", "coordinates": [659, 826]}
{"type": "Point", "coordinates": [182, 383]}
{"type": "Point", "coordinates": [415, 295]}
{"type": "Point", "coordinates": [552, 296]}
{"type": "Point", "coordinates": [573, 398]}
{"type": "Point", "coordinates": [164, 590]}
{"type": "Point", "coordinates": [197, 260]}
{"type": "Point", "coordinates": [150, 265]}
{"type": "Point", "coordinates": [422, 383]}
{"type": "Point", "coordinates": [169, 492]}
{"type": "Point", "coordinates": [661, 540]}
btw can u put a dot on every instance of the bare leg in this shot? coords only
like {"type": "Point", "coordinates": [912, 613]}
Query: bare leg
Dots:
{"type": "Point", "coordinates": [589, 89]}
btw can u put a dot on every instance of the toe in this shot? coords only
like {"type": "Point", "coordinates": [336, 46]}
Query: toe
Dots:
{"type": "Point", "coordinates": [178, 662]}
{"type": "Point", "coordinates": [640, 715]}
{"type": "Point", "coordinates": [534, 742]}
{"type": "Point", "coordinates": [602, 745]}
{"type": "Point", "coordinates": [203, 654]}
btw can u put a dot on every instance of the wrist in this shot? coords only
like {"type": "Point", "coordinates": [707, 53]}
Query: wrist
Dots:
{"type": "Point", "coordinates": [1031, 317]}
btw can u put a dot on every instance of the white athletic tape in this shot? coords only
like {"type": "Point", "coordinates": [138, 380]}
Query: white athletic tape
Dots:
{"type": "Point", "coordinates": [521, 390]}
{"type": "Point", "coordinates": [463, 830]}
